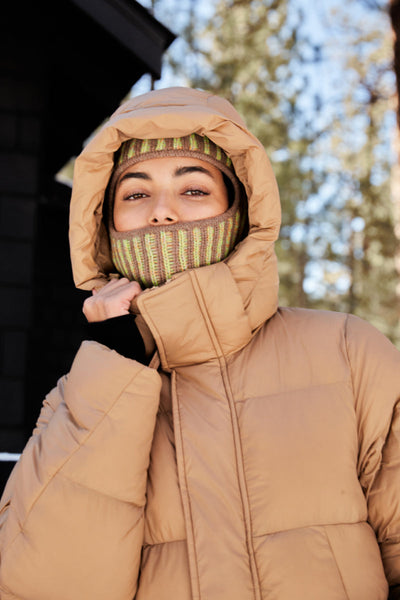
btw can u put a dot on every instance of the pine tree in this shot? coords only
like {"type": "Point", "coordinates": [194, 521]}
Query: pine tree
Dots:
{"type": "Point", "coordinates": [362, 133]}
{"type": "Point", "coordinates": [253, 60]}
{"type": "Point", "coordinates": [329, 147]}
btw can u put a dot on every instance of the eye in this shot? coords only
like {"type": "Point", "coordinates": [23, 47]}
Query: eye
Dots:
{"type": "Point", "coordinates": [196, 192]}
{"type": "Point", "coordinates": [135, 196]}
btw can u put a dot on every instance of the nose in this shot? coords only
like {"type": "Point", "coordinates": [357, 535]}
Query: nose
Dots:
{"type": "Point", "coordinates": [163, 211]}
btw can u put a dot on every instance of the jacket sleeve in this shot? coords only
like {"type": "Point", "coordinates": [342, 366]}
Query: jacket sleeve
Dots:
{"type": "Point", "coordinates": [72, 511]}
{"type": "Point", "coordinates": [375, 364]}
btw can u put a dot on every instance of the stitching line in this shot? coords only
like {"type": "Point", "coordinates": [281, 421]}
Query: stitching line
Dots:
{"type": "Point", "coordinates": [242, 481]}
{"type": "Point", "coordinates": [336, 563]}
{"type": "Point", "coordinates": [185, 493]}
{"type": "Point", "coordinates": [82, 443]}
{"type": "Point", "coordinates": [236, 440]}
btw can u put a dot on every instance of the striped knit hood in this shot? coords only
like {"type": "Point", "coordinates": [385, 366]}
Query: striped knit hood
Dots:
{"type": "Point", "coordinates": [247, 279]}
{"type": "Point", "coordinates": [152, 255]}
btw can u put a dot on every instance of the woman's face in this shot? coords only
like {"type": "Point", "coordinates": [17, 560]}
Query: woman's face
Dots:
{"type": "Point", "coordinates": [163, 191]}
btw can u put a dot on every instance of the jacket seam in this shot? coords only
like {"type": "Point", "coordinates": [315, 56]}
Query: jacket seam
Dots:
{"type": "Point", "coordinates": [382, 463]}
{"type": "Point", "coordinates": [266, 258]}
{"type": "Point", "coordinates": [100, 493]}
{"type": "Point", "coordinates": [186, 496]}
{"type": "Point", "coordinates": [389, 426]}
{"type": "Point", "coordinates": [154, 330]}
{"type": "Point", "coordinates": [240, 471]}
{"type": "Point", "coordinates": [346, 342]}
{"type": "Point", "coordinates": [291, 390]}
{"type": "Point", "coordinates": [82, 443]}
{"type": "Point", "coordinates": [346, 346]}
{"type": "Point", "coordinates": [242, 487]}
{"type": "Point", "coordinates": [203, 309]}
{"type": "Point", "coordinates": [148, 545]}
{"type": "Point", "coordinates": [336, 563]}
{"type": "Point", "coordinates": [278, 531]}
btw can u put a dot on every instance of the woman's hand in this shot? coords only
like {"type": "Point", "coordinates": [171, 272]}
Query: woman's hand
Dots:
{"type": "Point", "coordinates": [112, 300]}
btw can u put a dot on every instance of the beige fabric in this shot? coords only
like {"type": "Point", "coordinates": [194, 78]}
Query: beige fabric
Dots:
{"type": "Point", "coordinates": [203, 114]}
{"type": "Point", "coordinates": [261, 462]}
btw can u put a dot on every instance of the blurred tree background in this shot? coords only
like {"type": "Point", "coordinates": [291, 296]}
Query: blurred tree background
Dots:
{"type": "Point", "coordinates": [315, 83]}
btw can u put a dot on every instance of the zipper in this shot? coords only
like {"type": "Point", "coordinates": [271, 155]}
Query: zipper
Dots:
{"type": "Point", "coordinates": [241, 480]}
{"type": "Point", "coordinates": [187, 511]}
{"type": "Point", "coordinates": [238, 458]}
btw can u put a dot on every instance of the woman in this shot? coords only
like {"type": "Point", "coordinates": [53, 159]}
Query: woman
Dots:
{"type": "Point", "coordinates": [258, 455]}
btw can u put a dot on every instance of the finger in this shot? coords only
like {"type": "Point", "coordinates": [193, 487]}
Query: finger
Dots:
{"type": "Point", "coordinates": [113, 285]}
{"type": "Point", "coordinates": [136, 287]}
{"type": "Point", "coordinates": [118, 282]}
{"type": "Point", "coordinates": [128, 291]}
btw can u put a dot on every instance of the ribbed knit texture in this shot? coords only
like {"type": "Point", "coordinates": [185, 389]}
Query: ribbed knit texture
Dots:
{"type": "Point", "coordinates": [194, 145]}
{"type": "Point", "coordinates": [151, 255]}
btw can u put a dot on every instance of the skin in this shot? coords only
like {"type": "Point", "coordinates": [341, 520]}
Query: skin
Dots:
{"type": "Point", "coordinates": [159, 191]}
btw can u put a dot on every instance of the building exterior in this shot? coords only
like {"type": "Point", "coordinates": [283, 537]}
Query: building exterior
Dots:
{"type": "Point", "coordinates": [64, 67]}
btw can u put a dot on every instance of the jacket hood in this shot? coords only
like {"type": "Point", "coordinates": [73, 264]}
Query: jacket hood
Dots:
{"type": "Point", "coordinates": [173, 112]}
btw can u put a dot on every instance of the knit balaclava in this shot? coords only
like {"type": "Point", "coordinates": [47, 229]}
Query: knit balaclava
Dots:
{"type": "Point", "coordinates": [151, 255]}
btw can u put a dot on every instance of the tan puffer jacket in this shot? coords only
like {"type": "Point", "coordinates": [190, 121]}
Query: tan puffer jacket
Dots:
{"type": "Point", "coordinates": [260, 462]}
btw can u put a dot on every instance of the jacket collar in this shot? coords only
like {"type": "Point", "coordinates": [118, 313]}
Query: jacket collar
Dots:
{"type": "Point", "coordinates": [207, 312]}
{"type": "Point", "coordinates": [198, 316]}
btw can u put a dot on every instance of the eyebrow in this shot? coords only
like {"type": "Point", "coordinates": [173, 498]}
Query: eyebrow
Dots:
{"type": "Point", "coordinates": [192, 169]}
{"type": "Point", "coordinates": [178, 173]}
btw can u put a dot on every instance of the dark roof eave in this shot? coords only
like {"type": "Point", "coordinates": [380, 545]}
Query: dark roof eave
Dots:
{"type": "Point", "coordinates": [134, 27]}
